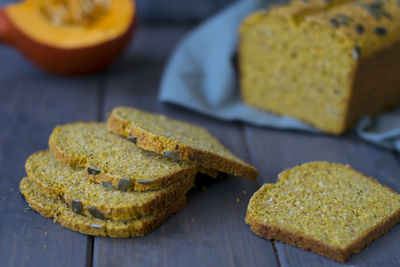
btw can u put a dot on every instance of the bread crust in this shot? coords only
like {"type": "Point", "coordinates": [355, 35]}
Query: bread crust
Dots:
{"type": "Point", "coordinates": [81, 161]}
{"type": "Point", "coordinates": [127, 212]}
{"type": "Point", "coordinates": [274, 232]}
{"type": "Point", "coordinates": [160, 144]}
{"type": "Point", "coordinates": [115, 229]}
{"type": "Point", "coordinates": [366, 77]}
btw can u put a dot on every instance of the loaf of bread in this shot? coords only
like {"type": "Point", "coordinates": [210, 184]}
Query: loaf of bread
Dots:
{"type": "Point", "coordinates": [324, 207]}
{"type": "Point", "coordinates": [324, 62]}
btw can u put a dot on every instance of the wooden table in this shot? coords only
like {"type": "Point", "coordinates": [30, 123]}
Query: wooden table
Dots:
{"type": "Point", "coordinates": [210, 231]}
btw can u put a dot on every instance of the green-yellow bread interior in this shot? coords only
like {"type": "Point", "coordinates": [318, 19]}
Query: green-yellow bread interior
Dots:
{"type": "Point", "coordinates": [179, 139]}
{"type": "Point", "coordinates": [328, 208]}
{"type": "Point", "coordinates": [70, 184]}
{"type": "Point", "coordinates": [108, 157]}
{"type": "Point", "coordinates": [57, 209]}
{"type": "Point", "coordinates": [323, 62]}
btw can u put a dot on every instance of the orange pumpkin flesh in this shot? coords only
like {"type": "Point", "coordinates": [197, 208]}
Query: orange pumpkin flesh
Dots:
{"type": "Point", "coordinates": [71, 49]}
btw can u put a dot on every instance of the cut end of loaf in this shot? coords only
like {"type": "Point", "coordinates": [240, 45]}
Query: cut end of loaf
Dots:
{"type": "Point", "coordinates": [301, 70]}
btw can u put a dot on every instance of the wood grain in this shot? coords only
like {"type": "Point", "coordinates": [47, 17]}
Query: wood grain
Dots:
{"type": "Point", "coordinates": [31, 104]}
{"type": "Point", "coordinates": [179, 10]}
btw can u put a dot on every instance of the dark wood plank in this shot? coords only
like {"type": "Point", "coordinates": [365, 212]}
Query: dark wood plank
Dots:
{"type": "Point", "coordinates": [31, 104]}
{"type": "Point", "coordinates": [7, 2]}
{"type": "Point", "coordinates": [178, 10]}
{"type": "Point", "coordinates": [210, 231]}
{"type": "Point", "coordinates": [273, 151]}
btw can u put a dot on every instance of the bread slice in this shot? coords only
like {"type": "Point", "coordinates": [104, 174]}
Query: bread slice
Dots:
{"type": "Point", "coordinates": [177, 139]}
{"type": "Point", "coordinates": [110, 158]}
{"type": "Point", "coordinates": [57, 209]}
{"type": "Point", "coordinates": [70, 184]}
{"type": "Point", "coordinates": [324, 207]}
{"type": "Point", "coordinates": [213, 173]}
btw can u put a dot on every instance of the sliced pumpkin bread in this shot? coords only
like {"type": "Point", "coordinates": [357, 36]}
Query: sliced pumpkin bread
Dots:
{"type": "Point", "coordinates": [110, 158]}
{"type": "Point", "coordinates": [177, 139]}
{"type": "Point", "coordinates": [59, 210]}
{"type": "Point", "coordinates": [324, 207]}
{"type": "Point", "coordinates": [55, 180]}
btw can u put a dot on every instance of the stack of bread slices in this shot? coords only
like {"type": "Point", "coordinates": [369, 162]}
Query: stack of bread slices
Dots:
{"type": "Point", "coordinates": [125, 177]}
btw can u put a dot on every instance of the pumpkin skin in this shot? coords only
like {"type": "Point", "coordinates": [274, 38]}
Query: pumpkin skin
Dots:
{"type": "Point", "coordinates": [68, 50]}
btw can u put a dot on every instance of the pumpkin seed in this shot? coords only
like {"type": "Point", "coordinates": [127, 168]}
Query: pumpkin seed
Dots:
{"type": "Point", "coordinates": [356, 52]}
{"type": "Point", "coordinates": [93, 171]}
{"type": "Point", "coordinates": [133, 139]}
{"type": "Point", "coordinates": [96, 226]}
{"type": "Point", "coordinates": [380, 31]}
{"type": "Point", "coordinates": [124, 184]}
{"type": "Point", "coordinates": [375, 9]}
{"type": "Point", "coordinates": [360, 28]}
{"type": "Point", "coordinates": [145, 182]}
{"type": "Point", "coordinates": [386, 14]}
{"type": "Point", "coordinates": [339, 19]}
{"type": "Point", "coordinates": [334, 22]}
{"type": "Point", "coordinates": [108, 185]}
{"type": "Point", "coordinates": [343, 19]}
{"type": "Point", "coordinates": [173, 155]}
{"type": "Point", "coordinates": [95, 213]}
{"type": "Point", "coordinates": [377, 4]}
{"type": "Point", "coordinates": [76, 206]}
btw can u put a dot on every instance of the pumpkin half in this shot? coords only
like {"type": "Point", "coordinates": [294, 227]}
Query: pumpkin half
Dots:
{"type": "Point", "coordinates": [74, 47]}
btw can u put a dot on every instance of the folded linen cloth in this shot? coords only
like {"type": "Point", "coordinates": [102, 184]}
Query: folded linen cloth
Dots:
{"type": "Point", "coordinates": [201, 76]}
